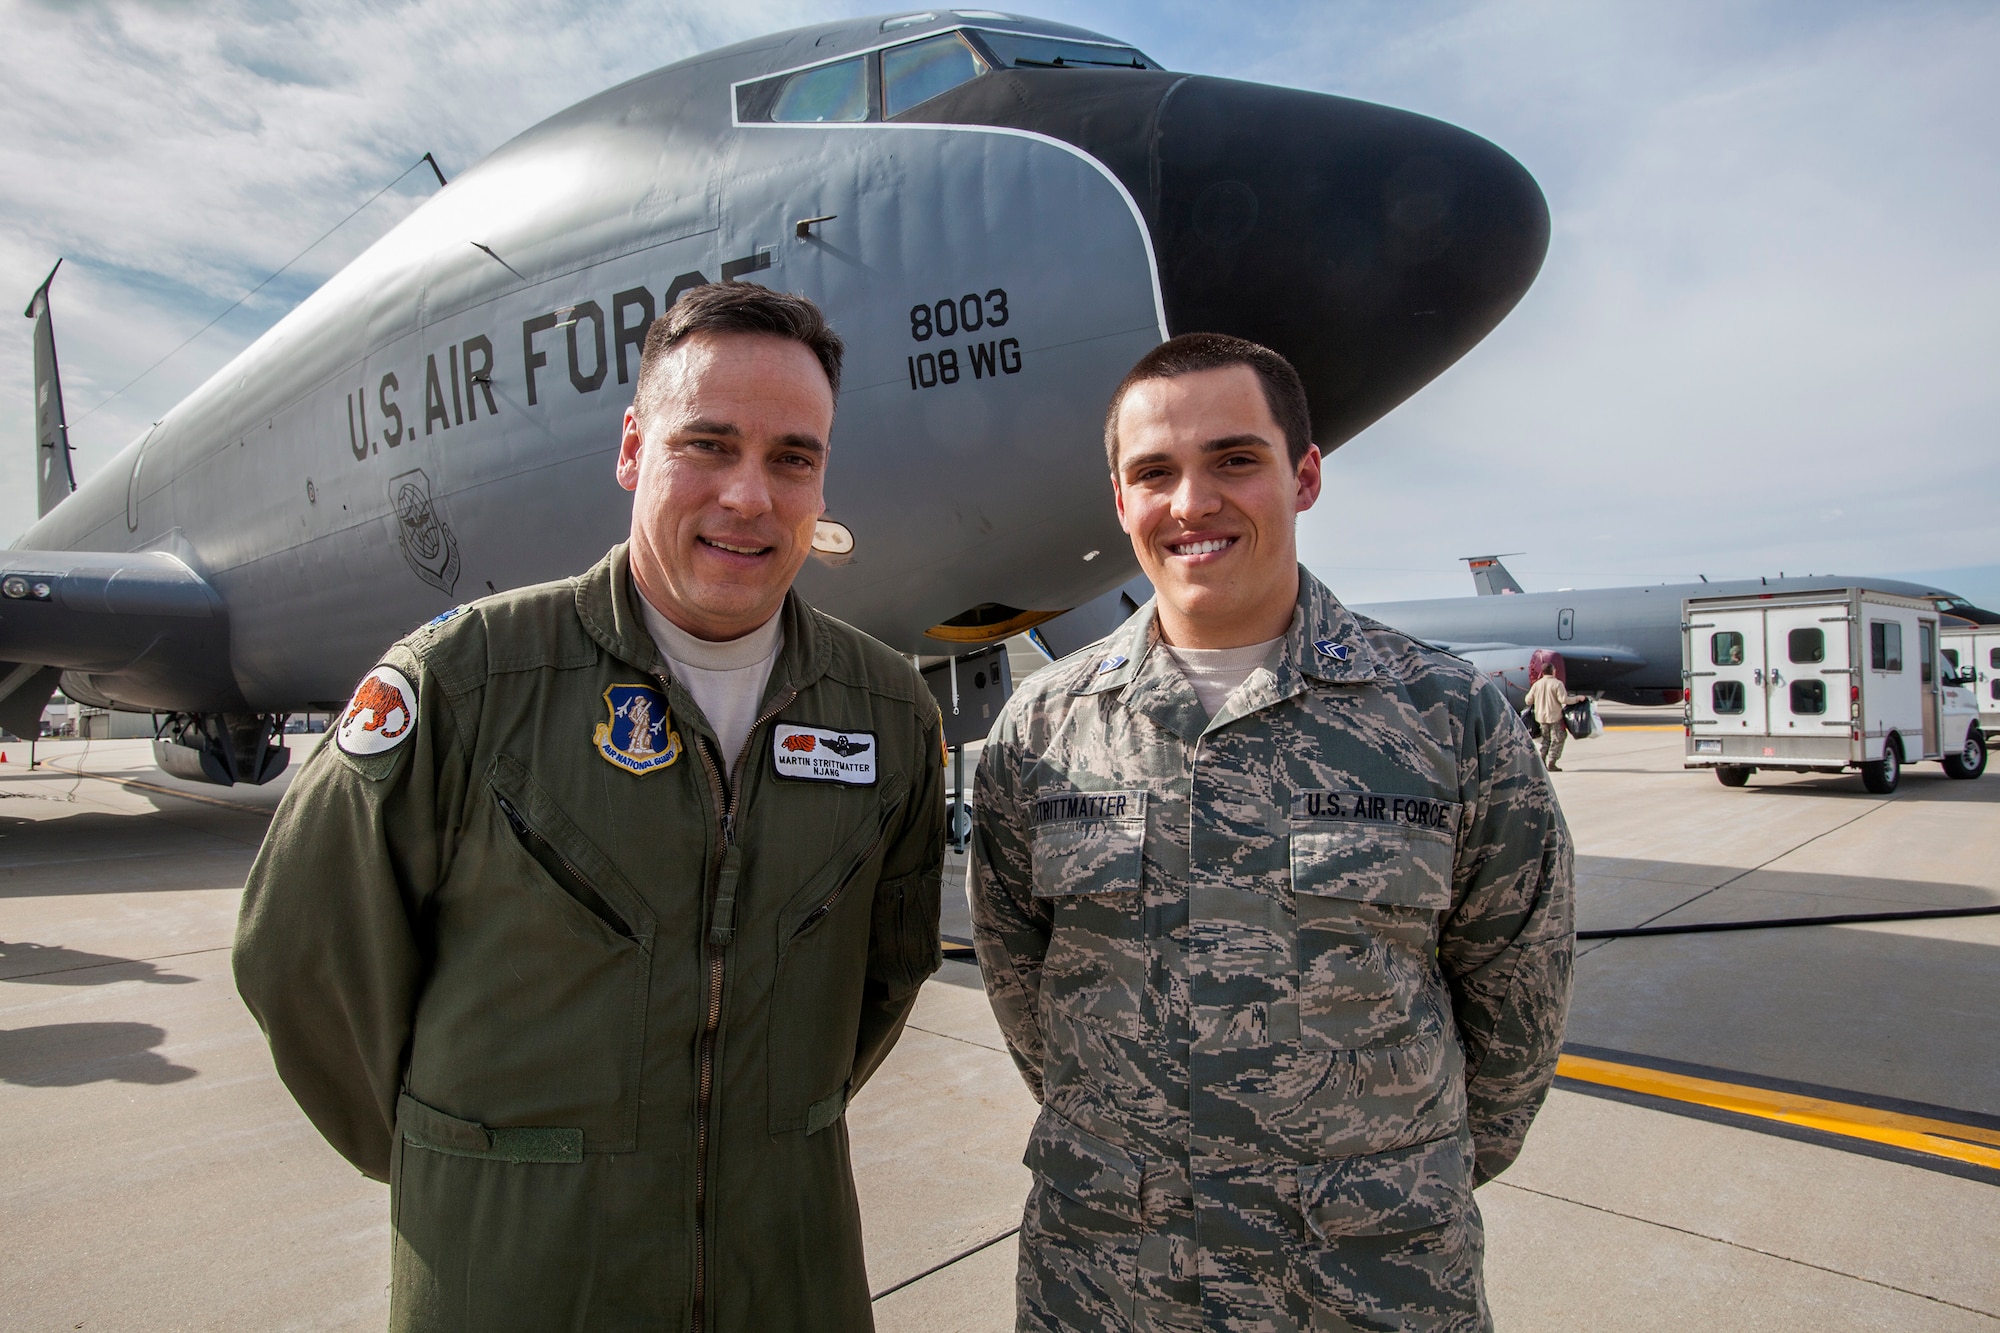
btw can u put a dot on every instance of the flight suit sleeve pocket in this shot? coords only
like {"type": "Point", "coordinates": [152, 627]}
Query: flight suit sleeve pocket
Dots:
{"type": "Point", "coordinates": [1088, 842]}
{"type": "Point", "coordinates": [427, 1127]}
{"type": "Point", "coordinates": [1084, 1168]}
{"type": "Point", "coordinates": [1417, 1188]}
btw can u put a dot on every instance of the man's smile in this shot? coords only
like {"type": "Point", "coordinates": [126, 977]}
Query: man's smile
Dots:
{"type": "Point", "coordinates": [732, 548]}
{"type": "Point", "coordinates": [1196, 547]}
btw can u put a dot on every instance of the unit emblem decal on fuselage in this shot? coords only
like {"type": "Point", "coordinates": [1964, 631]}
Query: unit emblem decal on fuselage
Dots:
{"type": "Point", "coordinates": [428, 544]}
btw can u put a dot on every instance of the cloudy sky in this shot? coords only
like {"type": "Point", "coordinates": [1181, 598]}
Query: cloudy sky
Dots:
{"type": "Point", "coordinates": [1765, 338]}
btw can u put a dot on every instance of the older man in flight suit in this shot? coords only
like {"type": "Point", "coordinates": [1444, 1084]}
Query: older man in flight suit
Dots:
{"type": "Point", "coordinates": [608, 894]}
{"type": "Point", "coordinates": [1274, 906]}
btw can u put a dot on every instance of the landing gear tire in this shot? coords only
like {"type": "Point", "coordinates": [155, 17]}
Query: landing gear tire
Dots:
{"type": "Point", "coordinates": [1882, 776]}
{"type": "Point", "coordinates": [1733, 775]}
{"type": "Point", "coordinates": [1971, 761]}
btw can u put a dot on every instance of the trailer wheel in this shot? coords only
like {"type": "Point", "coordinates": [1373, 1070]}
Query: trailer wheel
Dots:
{"type": "Point", "coordinates": [1882, 776]}
{"type": "Point", "coordinates": [1733, 775]}
{"type": "Point", "coordinates": [1971, 761]}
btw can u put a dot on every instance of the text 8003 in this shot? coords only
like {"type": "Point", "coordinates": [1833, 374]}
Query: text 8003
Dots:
{"type": "Point", "coordinates": [970, 312]}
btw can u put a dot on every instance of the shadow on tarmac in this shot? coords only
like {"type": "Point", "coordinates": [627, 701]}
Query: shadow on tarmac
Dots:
{"type": "Point", "coordinates": [68, 1055]}
{"type": "Point", "coordinates": [54, 965]}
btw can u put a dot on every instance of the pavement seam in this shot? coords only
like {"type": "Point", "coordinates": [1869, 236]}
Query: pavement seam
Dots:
{"type": "Point", "coordinates": [1752, 870]}
{"type": "Point", "coordinates": [120, 962]}
{"type": "Point", "coordinates": [1000, 1050]}
{"type": "Point", "coordinates": [941, 1266]}
{"type": "Point", "coordinates": [1739, 1245]}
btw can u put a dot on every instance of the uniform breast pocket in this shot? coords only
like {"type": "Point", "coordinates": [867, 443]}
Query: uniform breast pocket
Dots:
{"type": "Point", "coordinates": [1089, 854]}
{"type": "Point", "coordinates": [1368, 894]}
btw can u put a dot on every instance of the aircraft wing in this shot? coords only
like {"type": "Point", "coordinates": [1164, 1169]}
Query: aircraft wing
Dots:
{"type": "Point", "coordinates": [144, 614]}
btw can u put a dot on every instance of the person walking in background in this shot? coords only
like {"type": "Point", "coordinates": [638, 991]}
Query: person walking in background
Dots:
{"type": "Point", "coordinates": [1547, 698]}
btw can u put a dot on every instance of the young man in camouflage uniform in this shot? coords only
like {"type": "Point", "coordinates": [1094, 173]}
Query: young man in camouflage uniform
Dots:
{"type": "Point", "coordinates": [607, 895]}
{"type": "Point", "coordinates": [1274, 906]}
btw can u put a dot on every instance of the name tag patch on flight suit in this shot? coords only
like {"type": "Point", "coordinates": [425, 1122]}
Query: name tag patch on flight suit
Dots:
{"type": "Point", "coordinates": [639, 737]}
{"type": "Point", "coordinates": [815, 754]}
{"type": "Point", "coordinates": [381, 715]}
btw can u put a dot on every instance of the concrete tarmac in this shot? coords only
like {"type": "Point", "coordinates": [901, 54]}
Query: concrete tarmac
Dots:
{"type": "Point", "coordinates": [157, 1176]}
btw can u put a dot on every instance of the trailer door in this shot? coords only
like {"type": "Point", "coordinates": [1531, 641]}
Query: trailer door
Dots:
{"type": "Point", "coordinates": [1727, 673]}
{"type": "Point", "coordinates": [1807, 678]}
{"type": "Point", "coordinates": [1928, 678]}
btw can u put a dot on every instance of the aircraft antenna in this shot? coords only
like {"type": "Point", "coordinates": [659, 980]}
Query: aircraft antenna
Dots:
{"type": "Point", "coordinates": [426, 158]}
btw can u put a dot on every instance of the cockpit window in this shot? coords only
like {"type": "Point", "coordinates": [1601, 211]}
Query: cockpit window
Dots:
{"type": "Point", "coordinates": [921, 70]}
{"type": "Point", "coordinates": [1026, 51]}
{"type": "Point", "coordinates": [836, 92]}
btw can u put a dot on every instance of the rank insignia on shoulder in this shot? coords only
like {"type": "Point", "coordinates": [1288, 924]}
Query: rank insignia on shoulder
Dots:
{"type": "Point", "coordinates": [820, 754]}
{"type": "Point", "coordinates": [1111, 663]}
{"type": "Point", "coordinates": [381, 715]}
{"type": "Point", "coordinates": [639, 737]}
{"type": "Point", "coordinates": [1328, 648]}
{"type": "Point", "coordinates": [443, 616]}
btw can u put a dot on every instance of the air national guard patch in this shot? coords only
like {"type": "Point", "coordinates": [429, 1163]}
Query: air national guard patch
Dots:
{"type": "Point", "coordinates": [640, 736]}
{"type": "Point", "coordinates": [815, 754]}
{"type": "Point", "coordinates": [381, 715]}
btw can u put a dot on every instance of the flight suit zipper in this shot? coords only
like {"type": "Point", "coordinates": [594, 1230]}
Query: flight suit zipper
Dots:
{"type": "Point", "coordinates": [722, 913]}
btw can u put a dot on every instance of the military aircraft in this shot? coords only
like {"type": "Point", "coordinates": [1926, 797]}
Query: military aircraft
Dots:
{"type": "Point", "coordinates": [1621, 644]}
{"type": "Point", "coordinates": [999, 214]}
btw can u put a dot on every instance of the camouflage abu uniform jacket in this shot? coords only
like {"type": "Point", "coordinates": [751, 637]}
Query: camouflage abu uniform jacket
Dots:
{"type": "Point", "coordinates": [1288, 982]}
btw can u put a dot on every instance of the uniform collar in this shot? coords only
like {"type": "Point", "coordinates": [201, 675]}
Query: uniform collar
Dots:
{"type": "Point", "coordinates": [1325, 644]}
{"type": "Point", "coordinates": [607, 602]}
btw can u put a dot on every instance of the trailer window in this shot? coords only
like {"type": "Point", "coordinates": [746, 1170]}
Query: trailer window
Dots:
{"type": "Point", "coordinates": [1808, 697]}
{"type": "Point", "coordinates": [1993, 658]}
{"type": "Point", "coordinates": [1727, 696]}
{"type": "Point", "coordinates": [922, 70]}
{"type": "Point", "coordinates": [1806, 645]}
{"type": "Point", "coordinates": [1885, 645]}
{"type": "Point", "coordinates": [1726, 649]}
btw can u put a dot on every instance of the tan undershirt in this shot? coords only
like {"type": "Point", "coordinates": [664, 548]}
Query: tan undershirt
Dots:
{"type": "Point", "coordinates": [1217, 673]}
{"type": "Point", "coordinates": [727, 679]}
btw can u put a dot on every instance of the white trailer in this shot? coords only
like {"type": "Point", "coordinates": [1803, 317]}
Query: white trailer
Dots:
{"type": "Point", "coordinates": [1821, 682]}
{"type": "Point", "coordinates": [1975, 652]}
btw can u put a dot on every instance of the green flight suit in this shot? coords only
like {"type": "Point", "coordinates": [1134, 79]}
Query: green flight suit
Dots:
{"type": "Point", "coordinates": [596, 1031]}
{"type": "Point", "coordinates": [1288, 981]}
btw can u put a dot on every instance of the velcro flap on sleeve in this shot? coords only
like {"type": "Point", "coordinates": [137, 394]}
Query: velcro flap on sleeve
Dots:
{"type": "Point", "coordinates": [1384, 1194]}
{"type": "Point", "coordinates": [1084, 1167]}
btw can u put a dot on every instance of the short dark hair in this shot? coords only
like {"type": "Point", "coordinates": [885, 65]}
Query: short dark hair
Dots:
{"type": "Point", "coordinates": [1284, 393]}
{"type": "Point", "coordinates": [734, 307]}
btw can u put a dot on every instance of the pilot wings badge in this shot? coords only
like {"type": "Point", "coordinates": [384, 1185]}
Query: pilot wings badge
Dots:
{"type": "Point", "coordinates": [639, 737]}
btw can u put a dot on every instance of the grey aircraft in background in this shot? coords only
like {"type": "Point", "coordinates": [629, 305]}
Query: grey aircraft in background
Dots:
{"type": "Point", "coordinates": [1620, 644]}
{"type": "Point", "coordinates": [999, 215]}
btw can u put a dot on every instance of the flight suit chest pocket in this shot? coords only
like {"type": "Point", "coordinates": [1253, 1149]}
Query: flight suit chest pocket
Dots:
{"type": "Point", "coordinates": [1371, 875]}
{"type": "Point", "coordinates": [1089, 853]}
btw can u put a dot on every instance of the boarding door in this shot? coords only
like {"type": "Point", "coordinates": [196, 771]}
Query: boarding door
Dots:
{"type": "Point", "coordinates": [1806, 677]}
{"type": "Point", "coordinates": [1726, 672]}
{"type": "Point", "coordinates": [1927, 667]}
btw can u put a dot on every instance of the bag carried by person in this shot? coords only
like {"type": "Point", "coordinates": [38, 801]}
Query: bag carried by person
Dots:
{"type": "Point", "coordinates": [1580, 719]}
{"type": "Point", "coordinates": [1528, 721]}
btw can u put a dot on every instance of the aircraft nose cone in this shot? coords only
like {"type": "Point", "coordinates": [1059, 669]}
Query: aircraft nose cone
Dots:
{"type": "Point", "coordinates": [1371, 247]}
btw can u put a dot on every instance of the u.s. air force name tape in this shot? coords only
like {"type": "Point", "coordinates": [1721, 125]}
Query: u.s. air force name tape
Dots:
{"type": "Point", "coordinates": [381, 715]}
{"type": "Point", "coordinates": [817, 754]}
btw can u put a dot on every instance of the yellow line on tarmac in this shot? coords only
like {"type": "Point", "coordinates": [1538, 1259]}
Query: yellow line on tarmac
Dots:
{"type": "Point", "coordinates": [1940, 1138]}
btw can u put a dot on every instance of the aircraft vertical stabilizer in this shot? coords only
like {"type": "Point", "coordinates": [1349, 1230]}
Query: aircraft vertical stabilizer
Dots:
{"type": "Point", "coordinates": [1489, 576]}
{"type": "Point", "coordinates": [54, 479]}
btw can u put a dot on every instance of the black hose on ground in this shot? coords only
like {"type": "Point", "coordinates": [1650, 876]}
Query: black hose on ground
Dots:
{"type": "Point", "coordinates": [1841, 919]}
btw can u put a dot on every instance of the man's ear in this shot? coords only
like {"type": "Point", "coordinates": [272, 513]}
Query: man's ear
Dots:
{"type": "Point", "coordinates": [1118, 500]}
{"type": "Point", "coordinates": [1309, 479]}
{"type": "Point", "coordinates": [628, 453]}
